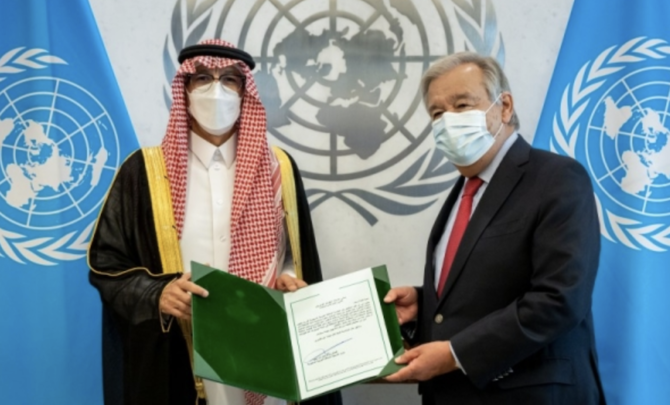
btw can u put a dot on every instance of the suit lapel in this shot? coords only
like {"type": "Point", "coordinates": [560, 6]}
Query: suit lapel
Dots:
{"type": "Point", "coordinates": [504, 180]}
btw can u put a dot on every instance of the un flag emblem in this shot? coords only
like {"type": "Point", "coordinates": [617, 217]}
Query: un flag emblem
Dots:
{"type": "Point", "coordinates": [630, 128]}
{"type": "Point", "coordinates": [614, 118]}
{"type": "Point", "coordinates": [59, 153]}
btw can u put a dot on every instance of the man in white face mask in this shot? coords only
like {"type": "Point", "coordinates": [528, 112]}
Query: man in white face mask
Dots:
{"type": "Point", "coordinates": [214, 100]}
{"type": "Point", "coordinates": [212, 193]}
{"type": "Point", "coordinates": [504, 313]}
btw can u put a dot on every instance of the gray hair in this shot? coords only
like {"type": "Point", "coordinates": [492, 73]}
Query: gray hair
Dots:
{"type": "Point", "coordinates": [494, 78]}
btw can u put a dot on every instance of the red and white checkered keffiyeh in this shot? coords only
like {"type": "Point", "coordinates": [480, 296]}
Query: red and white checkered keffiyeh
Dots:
{"type": "Point", "coordinates": [257, 213]}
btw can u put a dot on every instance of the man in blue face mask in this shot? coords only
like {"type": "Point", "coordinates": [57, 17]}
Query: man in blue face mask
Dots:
{"type": "Point", "coordinates": [504, 313]}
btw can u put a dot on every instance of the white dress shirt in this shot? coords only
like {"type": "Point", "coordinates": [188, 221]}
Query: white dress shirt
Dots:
{"type": "Point", "coordinates": [206, 233]}
{"type": "Point", "coordinates": [486, 175]}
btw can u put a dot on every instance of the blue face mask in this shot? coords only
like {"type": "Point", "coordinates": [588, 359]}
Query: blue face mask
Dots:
{"type": "Point", "coordinates": [464, 137]}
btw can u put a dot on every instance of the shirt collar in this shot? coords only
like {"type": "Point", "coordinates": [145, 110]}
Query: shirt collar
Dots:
{"type": "Point", "coordinates": [489, 171]}
{"type": "Point", "coordinates": [208, 153]}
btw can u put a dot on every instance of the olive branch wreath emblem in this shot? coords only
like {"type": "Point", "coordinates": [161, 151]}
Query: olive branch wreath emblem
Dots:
{"type": "Point", "coordinates": [16, 246]}
{"type": "Point", "coordinates": [478, 23]}
{"type": "Point", "coordinates": [566, 129]}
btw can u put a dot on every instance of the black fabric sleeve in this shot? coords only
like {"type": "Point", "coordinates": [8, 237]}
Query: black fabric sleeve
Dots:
{"type": "Point", "coordinates": [311, 266]}
{"type": "Point", "coordinates": [123, 255]}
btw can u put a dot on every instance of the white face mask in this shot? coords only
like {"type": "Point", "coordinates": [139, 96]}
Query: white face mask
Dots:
{"type": "Point", "coordinates": [216, 110]}
{"type": "Point", "coordinates": [464, 137]}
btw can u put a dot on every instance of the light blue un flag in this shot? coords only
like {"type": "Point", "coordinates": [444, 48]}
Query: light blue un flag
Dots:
{"type": "Point", "coordinates": [64, 131]}
{"type": "Point", "coordinates": [608, 106]}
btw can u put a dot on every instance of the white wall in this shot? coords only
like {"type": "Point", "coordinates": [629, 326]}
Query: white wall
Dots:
{"type": "Point", "coordinates": [135, 34]}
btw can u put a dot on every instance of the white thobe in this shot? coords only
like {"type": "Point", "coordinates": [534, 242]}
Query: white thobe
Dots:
{"type": "Point", "coordinates": [206, 232]}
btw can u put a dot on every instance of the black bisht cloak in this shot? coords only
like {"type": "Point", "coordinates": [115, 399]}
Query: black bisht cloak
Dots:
{"type": "Point", "coordinates": [141, 364]}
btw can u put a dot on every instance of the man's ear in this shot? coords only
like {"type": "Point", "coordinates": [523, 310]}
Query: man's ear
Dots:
{"type": "Point", "coordinates": [507, 107]}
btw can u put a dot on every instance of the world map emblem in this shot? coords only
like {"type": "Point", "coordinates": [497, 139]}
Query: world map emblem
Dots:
{"type": "Point", "coordinates": [58, 158]}
{"type": "Point", "coordinates": [340, 82]}
{"type": "Point", "coordinates": [615, 118]}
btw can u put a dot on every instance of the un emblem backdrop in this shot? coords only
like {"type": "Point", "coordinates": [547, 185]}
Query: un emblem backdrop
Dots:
{"type": "Point", "coordinates": [340, 82]}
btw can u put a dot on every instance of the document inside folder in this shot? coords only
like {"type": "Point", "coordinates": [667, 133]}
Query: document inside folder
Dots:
{"type": "Point", "coordinates": [335, 333]}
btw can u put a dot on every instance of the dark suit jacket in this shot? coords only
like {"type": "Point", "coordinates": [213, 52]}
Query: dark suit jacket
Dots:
{"type": "Point", "coordinates": [517, 302]}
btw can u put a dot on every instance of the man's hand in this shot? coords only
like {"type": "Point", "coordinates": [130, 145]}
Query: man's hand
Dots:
{"type": "Point", "coordinates": [406, 305]}
{"type": "Point", "coordinates": [425, 362]}
{"type": "Point", "coordinates": [288, 283]}
{"type": "Point", "coordinates": [176, 297]}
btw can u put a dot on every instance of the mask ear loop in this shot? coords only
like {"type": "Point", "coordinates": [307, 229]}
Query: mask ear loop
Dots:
{"type": "Point", "coordinates": [487, 110]}
{"type": "Point", "coordinates": [493, 103]}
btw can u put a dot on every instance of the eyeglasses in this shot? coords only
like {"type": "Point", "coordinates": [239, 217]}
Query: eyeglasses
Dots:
{"type": "Point", "coordinates": [203, 81]}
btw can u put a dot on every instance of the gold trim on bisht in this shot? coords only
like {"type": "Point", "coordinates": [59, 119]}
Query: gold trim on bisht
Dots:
{"type": "Point", "coordinates": [167, 236]}
{"type": "Point", "coordinates": [290, 207]}
{"type": "Point", "coordinates": [161, 203]}
{"type": "Point", "coordinates": [95, 232]}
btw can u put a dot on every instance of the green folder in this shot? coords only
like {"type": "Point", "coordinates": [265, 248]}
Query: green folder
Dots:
{"type": "Point", "coordinates": [241, 334]}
